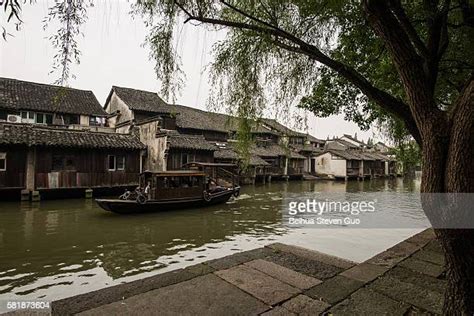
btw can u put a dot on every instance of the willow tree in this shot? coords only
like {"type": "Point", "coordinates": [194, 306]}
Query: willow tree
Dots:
{"type": "Point", "coordinates": [408, 63]}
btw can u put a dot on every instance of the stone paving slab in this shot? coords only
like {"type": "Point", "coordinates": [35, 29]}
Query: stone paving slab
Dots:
{"type": "Point", "coordinates": [366, 302]}
{"type": "Point", "coordinates": [424, 267]}
{"type": "Point", "coordinates": [111, 294]}
{"type": "Point", "coordinates": [335, 289]}
{"type": "Point", "coordinates": [430, 256]}
{"type": "Point", "coordinates": [316, 269]}
{"type": "Point", "coordinates": [394, 255]}
{"type": "Point", "coordinates": [283, 274]}
{"type": "Point", "coordinates": [422, 238]}
{"type": "Point", "coordinates": [258, 284]}
{"type": "Point", "coordinates": [434, 246]}
{"type": "Point", "coordinates": [303, 305]}
{"type": "Point", "coordinates": [238, 258]}
{"type": "Point", "coordinates": [410, 293]}
{"type": "Point", "coordinates": [313, 255]}
{"type": "Point", "coordinates": [416, 278]}
{"type": "Point", "coordinates": [404, 279]}
{"type": "Point", "coordinates": [199, 269]}
{"type": "Point", "coordinates": [365, 272]}
{"type": "Point", "coordinates": [205, 295]}
{"type": "Point", "coordinates": [278, 311]}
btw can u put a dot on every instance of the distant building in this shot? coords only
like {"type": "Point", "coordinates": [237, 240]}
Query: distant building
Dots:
{"type": "Point", "coordinates": [346, 158]}
{"type": "Point", "coordinates": [177, 134]}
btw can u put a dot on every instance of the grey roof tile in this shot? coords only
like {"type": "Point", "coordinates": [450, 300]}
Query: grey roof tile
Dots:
{"type": "Point", "coordinates": [25, 95]}
{"type": "Point", "coordinates": [34, 135]}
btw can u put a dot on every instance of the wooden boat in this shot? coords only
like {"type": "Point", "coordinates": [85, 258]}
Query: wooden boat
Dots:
{"type": "Point", "coordinates": [170, 190]}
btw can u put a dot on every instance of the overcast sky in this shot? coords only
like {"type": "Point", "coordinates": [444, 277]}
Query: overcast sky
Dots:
{"type": "Point", "coordinates": [112, 54]}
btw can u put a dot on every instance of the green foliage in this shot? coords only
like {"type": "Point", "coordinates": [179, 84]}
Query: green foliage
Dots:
{"type": "Point", "coordinates": [71, 14]}
{"type": "Point", "coordinates": [408, 153]}
{"type": "Point", "coordinates": [358, 47]}
{"type": "Point", "coordinates": [255, 69]}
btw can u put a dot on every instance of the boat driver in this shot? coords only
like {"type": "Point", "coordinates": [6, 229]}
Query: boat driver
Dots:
{"type": "Point", "coordinates": [147, 190]}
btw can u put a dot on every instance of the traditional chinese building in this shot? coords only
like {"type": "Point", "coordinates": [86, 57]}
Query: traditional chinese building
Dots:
{"type": "Point", "coordinates": [176, 135]}
{"type": "Point", "coordinates": [56, 138]}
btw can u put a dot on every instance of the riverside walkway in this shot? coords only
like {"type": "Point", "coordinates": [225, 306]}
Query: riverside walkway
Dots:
{"type": "Point", "coordinates": [280, 279]}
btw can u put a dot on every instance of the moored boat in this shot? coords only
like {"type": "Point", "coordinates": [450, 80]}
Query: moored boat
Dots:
{"type": "Point", "coordinates": [162, 191]}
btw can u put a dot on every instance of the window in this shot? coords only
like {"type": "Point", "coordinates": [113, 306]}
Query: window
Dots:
{"type": "Point", "coordinates": [63, 163]}
{"type": "Point", "coordinates": [184, 159]}
{"type": "Point", "coordinates": [160, 123]}
{"type": "Point", "coordinates": [112, 163]}
{"type": "Point", "coordinates": [39, 118]}
{"type": "Point", "coordinates": [57, 163]}
{"type": "Point", "coordinates": [120, 162]}
{"type": "Point", "coordinates": [3, 161]}
{"type": "Point", "coordinates": [71, 119]}
{"type": "Point", "coordinates": [96, 121]}
{"type": "Point", "coordinates": [27, 117]}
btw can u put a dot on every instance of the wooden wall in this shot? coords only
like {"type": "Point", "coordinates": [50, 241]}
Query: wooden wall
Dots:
{"type": "Point", "coordinates": [90, 169]}
{"type": "Point", "coordinates": [14, 176]}
{"type": "Point", "coordinates": [175, 157]}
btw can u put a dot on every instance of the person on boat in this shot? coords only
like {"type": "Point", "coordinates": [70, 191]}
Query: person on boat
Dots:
{"type": "Point", "coordinates": [147, 190]}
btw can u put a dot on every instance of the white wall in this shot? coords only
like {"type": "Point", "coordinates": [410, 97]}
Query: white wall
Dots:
{"type": "Point", "coordinates": [156, 160]}
{"type": "Point", "coordinates": [326, 164]}
{"type": "Point", "coordinates": [116, 104]}
{"type": "Point", "coordinates": [84, 120]}
{"type": "Point", "coordinates": [350, 141]}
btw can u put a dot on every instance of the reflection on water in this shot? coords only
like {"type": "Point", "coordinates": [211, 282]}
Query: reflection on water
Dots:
{"type": "Point", "coordinates": [54, 249]}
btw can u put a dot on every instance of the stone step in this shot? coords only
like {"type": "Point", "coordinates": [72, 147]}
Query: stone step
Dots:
{"type": "Point", "coordinates": [313, 255]}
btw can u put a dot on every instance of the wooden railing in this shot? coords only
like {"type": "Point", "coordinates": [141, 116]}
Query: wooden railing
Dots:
{"type": "Point", "coordinates": [352, 171]}
{"type": "Point", "coordinates": [295, 170]}
{"type": "Point", "coordinates": [274, 170]}
{"type": "Point", "coordinates": [227, 176]}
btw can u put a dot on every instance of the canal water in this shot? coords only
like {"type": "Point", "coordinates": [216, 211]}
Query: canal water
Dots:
{"type": "Point", "coordinates": [55, 249]}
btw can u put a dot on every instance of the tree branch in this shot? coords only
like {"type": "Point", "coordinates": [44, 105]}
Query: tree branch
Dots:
{"type": "Point", "coordinates": [408, 28]}
{"type": "Point", "coordinates": [383, 99]}
{"type": "Point", "coordinates": [417, 84]}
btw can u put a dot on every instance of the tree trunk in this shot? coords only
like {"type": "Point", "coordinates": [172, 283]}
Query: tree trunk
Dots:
{"type": "Point", "coordinates": [447, 140]}
{"type": "Point", "coordinates": [449, 168]}
{"type": "Point", "coordinates": [459, 255]}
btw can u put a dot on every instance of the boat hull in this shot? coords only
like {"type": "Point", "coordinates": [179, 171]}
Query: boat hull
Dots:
{"type": "Point", "coordinates": [130, 206]}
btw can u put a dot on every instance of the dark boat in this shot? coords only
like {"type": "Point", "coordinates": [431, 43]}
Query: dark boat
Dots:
{"type": "Point", "coordinates": [168, 190]}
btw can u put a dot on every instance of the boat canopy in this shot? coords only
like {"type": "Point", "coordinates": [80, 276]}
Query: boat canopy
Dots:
{"type": "Point", "coordinates": [209, 164]}
{"type": "Point", "coordinates": [174, 173]}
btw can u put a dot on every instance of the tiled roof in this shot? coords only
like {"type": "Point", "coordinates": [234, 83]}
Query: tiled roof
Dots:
{"type": "Point", "coordinates": [192, 118]}
{"type": "Point", "coordinates": [313, 139]}
{"type": "Point", "coordinates": [14, 134]}
{"type": "Point", "coordinates": [295, 155]}
{"type": "Point", "coordinates": [226, 153]}
{"type": "Point", "coordinates": [196, 142]}
{"type": "Point", "coordinates": [269, 151]}
{"type": "Point", "coordinates": [229, 153]}
{"type": "Point", "coordinates": [34, 135]}
{"type": "Point", "coordinates": [257, 161]}
{"type": "Point", "coordinates": [305, 148]}
{"type": "Point", "coordinates": [281, 128]}
{"type": "Point", "coordinates": [24, 95]}
{"type": "Point", "coordinates": [359, 155]}
{"type": "Point", "coordinates": [140, 100]}
{"type": "Point", "coordinates": [361, 143]}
